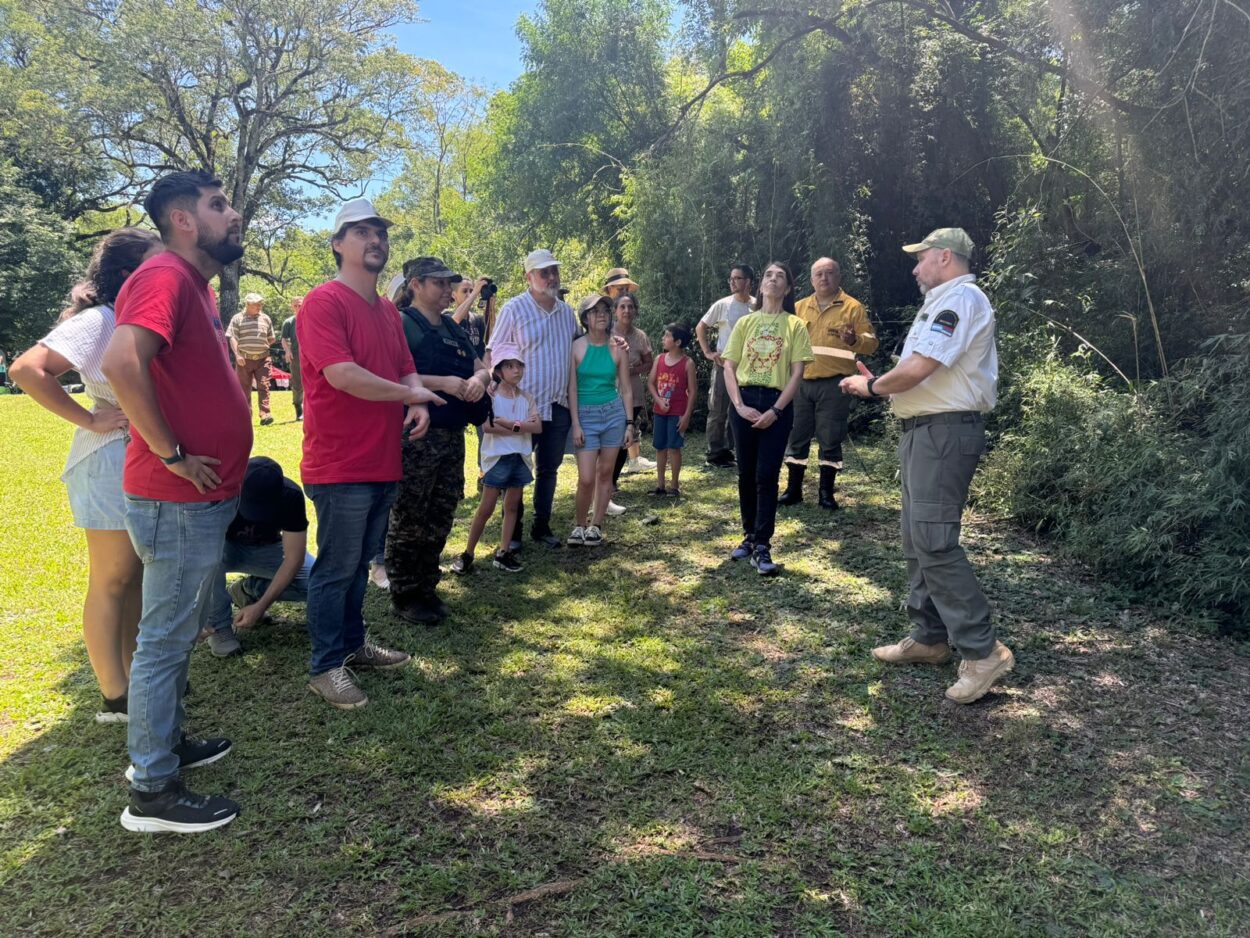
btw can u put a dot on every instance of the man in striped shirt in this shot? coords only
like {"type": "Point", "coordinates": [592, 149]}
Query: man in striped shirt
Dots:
{"type": "Point", "coordinates": [542, 326]}
{"type": "Point", "coordinates": [251, 334]}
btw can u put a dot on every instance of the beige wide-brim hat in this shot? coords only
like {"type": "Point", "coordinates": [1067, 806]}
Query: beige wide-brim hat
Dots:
{"type": "Point", "coordinates": [619, 277]}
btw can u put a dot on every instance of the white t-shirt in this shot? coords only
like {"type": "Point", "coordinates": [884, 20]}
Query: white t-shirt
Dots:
{"type": "Point", "coordinates": [722, 315]}
{"type": "Point", "coordinates": [81, 341]}
{"type": "Point", "coordinates": [955, 326]}
{"type": "Point", "coordinates": [509, 410]}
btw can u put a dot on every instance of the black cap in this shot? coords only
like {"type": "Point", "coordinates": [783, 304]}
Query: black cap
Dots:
{"type": "Point", "coordinates": [261, 499]}
{"type": "Point", "coordinates": [423, 267]}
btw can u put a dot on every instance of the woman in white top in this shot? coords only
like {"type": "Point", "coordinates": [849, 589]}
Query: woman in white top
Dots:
{"type": "Point", "coordinates": [93, 472]}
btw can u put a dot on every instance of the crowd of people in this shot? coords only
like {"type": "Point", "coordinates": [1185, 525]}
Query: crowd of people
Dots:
{"type": "Point", "coordinates": [161, 478]}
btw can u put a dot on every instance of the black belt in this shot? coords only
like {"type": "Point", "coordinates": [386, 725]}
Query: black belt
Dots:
{"type": "Point", "coordinates": [953, 416]}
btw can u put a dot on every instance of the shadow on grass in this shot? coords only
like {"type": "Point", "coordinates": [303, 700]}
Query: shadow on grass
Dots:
{"type": "Point", "coordinates": [698, 750]}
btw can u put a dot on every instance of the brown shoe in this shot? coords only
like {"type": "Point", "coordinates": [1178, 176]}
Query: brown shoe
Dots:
{"type": "Point", "coordinates": [338, 688]}
{"type": "Point", "coordinates": [977, 677]}
{"type": "Point", "coordinates": [910, 651]}
{"type": "Point", "coordinates": [376, 658]}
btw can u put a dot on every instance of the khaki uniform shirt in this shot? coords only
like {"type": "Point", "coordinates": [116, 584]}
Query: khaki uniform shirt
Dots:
{"type": "Point", "coordinates": [834, 358]}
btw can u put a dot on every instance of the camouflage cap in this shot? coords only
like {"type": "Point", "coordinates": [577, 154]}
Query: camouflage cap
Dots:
{"type": "Point", "coordinates": [948, 239]}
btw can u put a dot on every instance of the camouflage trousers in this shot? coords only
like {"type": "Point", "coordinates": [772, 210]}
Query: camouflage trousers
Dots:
{"type": "Point", "coordinates": [421, 518]}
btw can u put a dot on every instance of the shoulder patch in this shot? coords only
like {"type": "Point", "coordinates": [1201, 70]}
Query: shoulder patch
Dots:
{"type": "Point", "coordinates": [945, 322]}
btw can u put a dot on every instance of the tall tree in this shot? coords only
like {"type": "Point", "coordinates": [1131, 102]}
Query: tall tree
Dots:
{"type": "Point", "coordinates": [293, 103]}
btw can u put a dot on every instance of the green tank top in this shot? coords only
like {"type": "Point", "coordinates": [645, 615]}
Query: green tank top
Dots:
{"type": "Point", "coordinates": [596, 377]}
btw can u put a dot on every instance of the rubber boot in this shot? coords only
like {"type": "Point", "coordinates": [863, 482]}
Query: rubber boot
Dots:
{"type": "Point", "coordinates": [793, 494]}
{"type": "Point", "coordinates": [828, 475]}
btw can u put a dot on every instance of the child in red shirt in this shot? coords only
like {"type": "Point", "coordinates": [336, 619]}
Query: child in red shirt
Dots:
{"type": "Point", "coordinates": [673, 388]}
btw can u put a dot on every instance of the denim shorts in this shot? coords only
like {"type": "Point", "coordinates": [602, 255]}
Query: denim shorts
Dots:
{"type": "Point", "coordinates": [95, 489]}
{"type": "Point", "coordinates": [603, 425]}
{"type": "Point", "coordinates": [510, 472]}
{"type": "Point", "coordinates": [666, 434]}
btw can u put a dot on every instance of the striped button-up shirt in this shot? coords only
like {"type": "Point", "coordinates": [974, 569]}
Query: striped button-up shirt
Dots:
{"type": "Point", "coordinates": [546, 341]}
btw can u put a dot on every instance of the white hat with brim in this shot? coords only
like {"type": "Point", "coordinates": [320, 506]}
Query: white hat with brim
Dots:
{"type": "Point", "coordinates": [358, 210]}
{"type": "Point", "coordinates": [537, 260]}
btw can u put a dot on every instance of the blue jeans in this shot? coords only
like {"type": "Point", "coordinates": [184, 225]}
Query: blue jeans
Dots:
{"type": "Point", "coordinates": [180, 544]}
{"type": "Point", "coordinates": [350, 518]}
{"type": "Point", "coordinates": [260, 563]}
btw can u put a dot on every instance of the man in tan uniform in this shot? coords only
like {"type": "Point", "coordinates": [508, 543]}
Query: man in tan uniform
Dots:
{"type": "Point", "coordinates": [942, 387]}
{"type": "Point", "coordinates": [251, 334]}
{"type": "Point", "coordinates": [839, 329]}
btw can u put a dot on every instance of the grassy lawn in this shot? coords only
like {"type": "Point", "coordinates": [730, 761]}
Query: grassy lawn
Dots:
{"type": "Point", "coordinates": [643, 740]}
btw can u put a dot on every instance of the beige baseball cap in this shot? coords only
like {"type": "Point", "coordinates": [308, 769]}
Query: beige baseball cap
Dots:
{"type": "Point", "coordinates": [947, 239]}
{"type": "Point", "coordinates": [537, 260]}
{"type": "Point", "coordinates": [253, 298]}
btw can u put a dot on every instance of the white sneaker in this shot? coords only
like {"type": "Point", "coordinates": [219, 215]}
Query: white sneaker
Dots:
{"type": "Point", "coordinates": [631, 467]}
{"type": "Point", "coordinates": [614, 510]}
{"type": "Point", "coordinates": [378, 576]}
{"type": "Point", "coordinates": [578, 536]}
{"type": "Point", "coordinates": [592, 537]}
{"type": "Point", "coordinates": [645, 464]}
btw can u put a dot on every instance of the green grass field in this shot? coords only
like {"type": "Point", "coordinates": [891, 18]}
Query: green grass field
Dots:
{"type": "Point", "coordinates": [643, 740]}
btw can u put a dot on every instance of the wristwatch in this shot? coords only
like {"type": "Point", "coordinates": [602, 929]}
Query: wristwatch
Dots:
{"type": "Point", "coordinates": [176, 458]}
{"type": "Point", "coordinates": [516, 427]}
{"type": "Point", "coordinates": [871, 382]}
{"type": "Point", "coordinates": [775, 411]}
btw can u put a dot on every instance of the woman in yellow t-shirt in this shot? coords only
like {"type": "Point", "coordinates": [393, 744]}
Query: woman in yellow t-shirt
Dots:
{"type": "Point", "coordinates": [764, 364]}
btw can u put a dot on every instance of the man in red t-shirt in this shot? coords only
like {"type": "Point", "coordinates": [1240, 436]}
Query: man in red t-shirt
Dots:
{"type": "Point", "coordinates": [358, 378]}
{"type": "Point", "coordinates": [169, 365]}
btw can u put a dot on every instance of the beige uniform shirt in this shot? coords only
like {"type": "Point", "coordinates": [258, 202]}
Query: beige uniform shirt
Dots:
{"type": "Point", "coordinates": [955, 326]}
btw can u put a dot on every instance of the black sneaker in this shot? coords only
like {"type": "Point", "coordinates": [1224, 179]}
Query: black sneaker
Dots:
{"type": "Point", "coordinates": [114, 711]}
{"type": "Point", "coordinates": [178, 810]}
{"type": "Point", "coordinates": [507, 560]}
{"type": "Point", "coordinates": [422, 611]}
{"type": "Point", "coordinates": [762, 561]}
{"type": "Point", "coordinates": [193, 752]}
{"type": "Point", "coordinates": [462, 564]}
{"type": "Point", "coordinates": [546, 538]}
{"type": "Point", "coordinates": [743, 550]}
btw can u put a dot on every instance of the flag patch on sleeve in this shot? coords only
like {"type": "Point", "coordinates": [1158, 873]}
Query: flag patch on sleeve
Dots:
{"type": "Point", "coordinates": [945, 323]}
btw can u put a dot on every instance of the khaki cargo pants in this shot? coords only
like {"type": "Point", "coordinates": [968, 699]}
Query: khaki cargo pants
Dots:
{"type": "Point", "coordinates": [938, 455]}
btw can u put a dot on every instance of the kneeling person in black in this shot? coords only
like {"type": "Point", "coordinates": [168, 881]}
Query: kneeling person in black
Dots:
{"type": "Point", "coordinates": [268, 541]}
{"type": "Point", "coordinates": [433, 479]}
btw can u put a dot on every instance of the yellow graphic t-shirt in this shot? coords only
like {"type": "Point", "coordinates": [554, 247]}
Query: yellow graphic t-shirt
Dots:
{"type": "Point", "coordinates": [764, 346]}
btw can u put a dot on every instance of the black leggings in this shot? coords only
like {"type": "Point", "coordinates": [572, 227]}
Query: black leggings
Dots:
{"type": "Point", "coordinates": [760, 453]}
{"type": "Point", "coordinates": [624, 451]}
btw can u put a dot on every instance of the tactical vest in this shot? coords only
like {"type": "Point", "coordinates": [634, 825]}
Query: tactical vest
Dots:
{"type": "Point", "coordinates": [436, 354]}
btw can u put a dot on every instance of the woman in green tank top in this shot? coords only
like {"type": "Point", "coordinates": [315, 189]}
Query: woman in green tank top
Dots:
{"type": "Point", "coordinates": [600, 400]}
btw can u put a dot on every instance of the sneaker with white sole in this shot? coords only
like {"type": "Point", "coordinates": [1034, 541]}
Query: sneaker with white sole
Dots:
{"type": "Point", "coordinates": [593, 537]}
{"type": "Point", "coordinates": [173, 809]}
{"type": "Point", "coordinates": [977, 677]}
{"type": "Point", "coordinates": [193, 752]}
{"type": "Point", "coordinates": [762, 561]}
{"type": "Point", "coordinates": [507, 561]}
{"type": "Point", "coordinates": [462, 564]}
{"type": "Point", "coordinates": [338, 688]}
{"type": "Point", "coordinates": [614, 510]}
{"type": "Point", "coordinates": [114, 711]}
{"type": "Point", "coordinates": [378, 576]}
{"type": "Point", "coordinates": [578, 536]}
{"type": "Point", "coordinates": [645, 464]}
{"type": "Point", "coordinates": [743, 550]}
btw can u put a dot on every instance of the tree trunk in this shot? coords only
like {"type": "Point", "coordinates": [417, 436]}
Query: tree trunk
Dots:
{"type": "Point", "coordinates": [228, 293]}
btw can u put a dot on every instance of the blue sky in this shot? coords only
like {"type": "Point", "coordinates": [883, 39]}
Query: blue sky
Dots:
{"type": "Point", "coordinates": [476, 39]}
